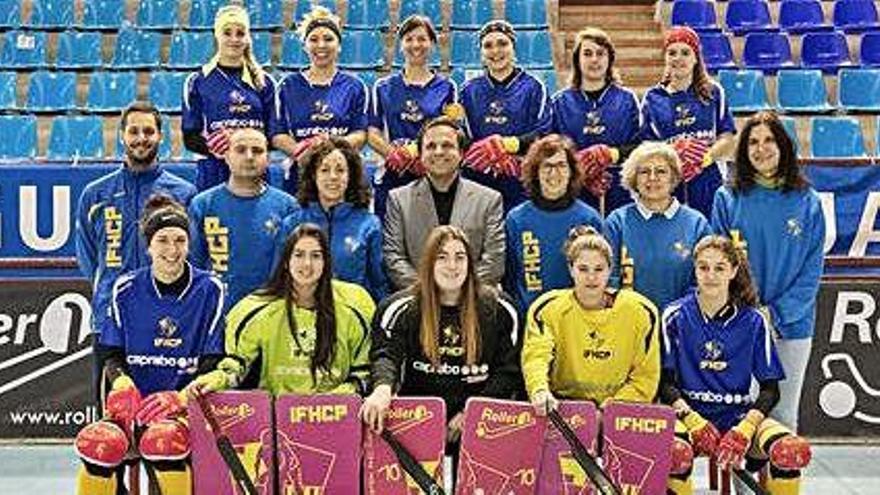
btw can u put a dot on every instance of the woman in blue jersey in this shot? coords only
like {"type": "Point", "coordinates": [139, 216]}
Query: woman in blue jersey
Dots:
{"type": "Point", "coordinates": [320, 100]}
{"type": "Point", "coordinates": [230, 91]}
{"type": "Point", "coordinates": [656, 234]}
{"type": "Point", "coordinates": [506, 110]}
{"type": "Point", "coordinates": [401, 103]}
{"type": "Point", "coordinates": [770, 205]}
{"type": "Point", "coordinates": [600, 115]}
{"type": "Point", "coordinates": [690, 111]}
{"type": "Point", "coordinates": [165, 332]}
{"type": "Point", "coordinates": [536, 230]}
{"type": "Point", "coordinates": [715, 343]}
{"type": "Point", "coordinates": [334, 195]}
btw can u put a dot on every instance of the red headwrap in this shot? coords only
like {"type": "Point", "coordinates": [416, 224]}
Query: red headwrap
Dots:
{"type": "Point", "coordinates": [682, 34]}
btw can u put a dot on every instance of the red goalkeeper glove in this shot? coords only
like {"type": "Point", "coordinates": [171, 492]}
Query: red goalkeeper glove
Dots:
{"type": "Point", "coordinates": [218, 143]}
{"type": "Point", "coordinates": [704, 435]}
{"type": "Point", "coordinates": [404, 158]}
{"type": "Point", "coordinates": [694, 156]}
{"type": "Point", "coordinates": [122, 403]}
{"type": "Point", "coordinates": [593, 162]}
{"type": "Point", "coordinates": [734, 444]}
{"type": "Point", "coordinates": [495, 155]}
{"type": "Point", "coordinates": [161, 405]}
{"type": "Point", "coordinates": [303, 145]}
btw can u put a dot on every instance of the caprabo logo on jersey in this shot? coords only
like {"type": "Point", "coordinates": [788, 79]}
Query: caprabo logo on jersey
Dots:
{"type": "Point", "coordinates": [184, 364]}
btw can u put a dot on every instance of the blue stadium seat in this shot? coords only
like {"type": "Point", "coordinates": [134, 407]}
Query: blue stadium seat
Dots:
{"type": "Point", "coordinates": [427, 8]}
{"type": "Point", "coordinates": [790, 125]}
{"type": "Point", "coordinates": [368, 77]}
{"type": "Point", "coordinates": [262, 47]}
{"type": "Point", "coordinates": [367, 14]}
{"type": "Point", "coordinates": [190, 49]}
{"type": "Point", "coordinates": [869, 51]}
{"type": "Point", "coordinates": [464, 50]}
{"type": "Point", "coordinates": [855, 15]}
{"type": "Point", "coordinates": [102, 14]}
{"type": "Point", "coordinates": [362, 50]}
{"type": "Point", "coordinates": [533, 49]}
{"type": "Point", "coordinates": [836, 137]}
{"type": "Point", "coordinates": [745, 90]}
{"type": "Point", "coordinates": [51, 91]}
{"type": "Point", "coordinates": [292, 54]}
{"type": "Point", "coordinates": [802, 16]}
{"type": "Point", "coordinates": [825, 50]}
{"type": "Point", "coordinates": [51, 14]}
{"type": "Point", "coordinates": [166, 90]}
{"type": "Point", "coordinates": [158, 14]}
{"type": "Point", "coordinates": [698, 14]}
{"type": "Point", "coordinates": [858, 90]}
{"type": "Point", "coordinates": [548, 77]}
{"type": "Point", "coordinates": [79, 50]}
{"type": "Point", "coordinates": [767, 51]}
{"type": "Point", "coordinates": [111, 91]}
{"type": "Point", "coordinates": [745, 16]}
{"type": "Point", "coordinates": [8, 83]}
{"type": "Point", "coordinates": [266, 14]}
{"type": "Point", "coordinates": [461, 75]}
{"type": "Point", "coordinates": [24, 50]}
{"type": "Point", "coordinates": [74, 137]}
{"type": "Point", "coordinates": [202, 12]}
{"type": "Point", "coordinates": [526, 14]}
{"type": "Point", "coordinates": [303, 7]}
{"type": "Point", "coordinates": [802, 90]}
{"type": "Point", "coordinates": [434, 61]}
{"type": "Point", "coordinates": [136, 49]}
{"type": "Point", "coordinates": [20, 137]}
{"type": "Point", "coordinates": [10, 14]}
{"type": "Point", "coordinates": [471, 14]}
{"type": "Point", "coordinates": [717, 53]}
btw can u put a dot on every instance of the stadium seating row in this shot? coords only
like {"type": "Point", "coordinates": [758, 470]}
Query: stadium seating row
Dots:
{"type": "Point", "coordinates": [264, 14]}
{"type": "Point", "coordinates": [57, 92]}
{"type": "Point", "coordinates": [744, 16]}
{"type": "Point", "coordinates": [803, 91]}
{"type": "Point", "coordinates": [137, 48]}
{"type": "Point", "coordinates": [82, 137]}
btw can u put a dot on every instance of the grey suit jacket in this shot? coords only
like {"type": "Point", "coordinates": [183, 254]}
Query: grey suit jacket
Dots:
{"type": "Point", "coordinates": [410, 216]}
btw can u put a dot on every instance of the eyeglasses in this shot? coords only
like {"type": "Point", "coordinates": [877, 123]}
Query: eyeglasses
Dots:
{"type": "Point", "coordinates": [656, 171]}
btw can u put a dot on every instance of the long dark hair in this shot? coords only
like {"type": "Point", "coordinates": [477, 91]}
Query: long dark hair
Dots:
{"type": "Point", "coordinates": [602, 39]}
{"type": "Point", "coordinates": [743, 176]}
{"type": "Point", "coordinates": [281, 286]}
{"type": "Point", "coordinates": [741, 290]}
{"type": "Point", "coordinates": [357, 192]}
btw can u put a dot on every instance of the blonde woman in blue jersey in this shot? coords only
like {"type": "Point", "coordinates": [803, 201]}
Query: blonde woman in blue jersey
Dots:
{"type": "Point", "coordinates": [228, 92]}
{"type": "Point", "coordinates": [715, 344]}
{"type": "Point", "coordinates": [590, 342]}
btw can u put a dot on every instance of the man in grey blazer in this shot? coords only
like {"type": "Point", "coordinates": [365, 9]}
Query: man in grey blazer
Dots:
{"type": "Point", "coordinates": [443, 197]}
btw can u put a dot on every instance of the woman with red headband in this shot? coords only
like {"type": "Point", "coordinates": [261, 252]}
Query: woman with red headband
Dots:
{"type": "Point", "coordinates": [690, 111]}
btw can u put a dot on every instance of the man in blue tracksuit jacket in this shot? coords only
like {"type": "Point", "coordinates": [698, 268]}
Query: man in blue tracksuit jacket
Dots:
{"type": "Point", "coordinates": [107, 240]}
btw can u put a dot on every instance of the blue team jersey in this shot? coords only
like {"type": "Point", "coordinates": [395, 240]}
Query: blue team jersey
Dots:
{"type": "Point", "coordinates": [305, 109]}
{"type": "Point", "coordinates": [668, 116]}
{"type": "Point", "coordinates": [714, 359]}
{"type": "Point", "coordinates": [222, 100]}
{"type": "Point", "coordinates": [398, 110]}
{"type": "Point", "coordinates": [612, 119]}
{"type": "Point", "coordinates": [519, 108]}
{"type": "Point", "coordinates": [236, 237]}
{"type": "Point", "coordinates": [535, 237]}
{"type": "Point", "coordinates": [661, 246]}
{"type": "Point", "coordinates": [164, 337]}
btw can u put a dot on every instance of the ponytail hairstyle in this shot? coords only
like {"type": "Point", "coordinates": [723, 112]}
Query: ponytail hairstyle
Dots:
{"type": "Point", "coordinates": [428, 298]}
{"type": "Point", "coordinates": [235, 13]}
{"type": "Point", "coordinates": [281, 286]}
{"type": "Point", "coordinates": [742, 290]}
{"type": "Point", "coordinates": [161, 211]}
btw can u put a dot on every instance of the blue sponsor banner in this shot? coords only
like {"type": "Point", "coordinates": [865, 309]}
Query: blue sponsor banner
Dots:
{"type": "Point", "coordinates": [850, 200]}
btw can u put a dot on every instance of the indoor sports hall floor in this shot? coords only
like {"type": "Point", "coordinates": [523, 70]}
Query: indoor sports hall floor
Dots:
{"type": "Point", "coordinates": [50, 470]}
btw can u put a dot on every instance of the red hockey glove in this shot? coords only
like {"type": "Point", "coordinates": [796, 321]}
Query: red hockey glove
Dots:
{"type": "Point", "coordinates": [102, 443]}
{"type": "Point", "coordinates": [404, 158]}
{"type": "Point", "coordinates": [302, 146]}
{"type": "Point", "coordinates": [704, 435]}
{"type": "Point", "coordinates": [218, 143]}
{"type": "Point", "coordinates": [122, 403]}
{"type": "Point", "coordinates": [734, 444]}
{"type": "Point", "coordinates": [495, 155]}
{"type": "Point", "coordinates": [693, 154]}
{"type": "Point", "coordinates": [159, 406]}
{"type": "Point", "coordinates": [593, 162]}
{"type": "Point", "coordinates": [790, 452]}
